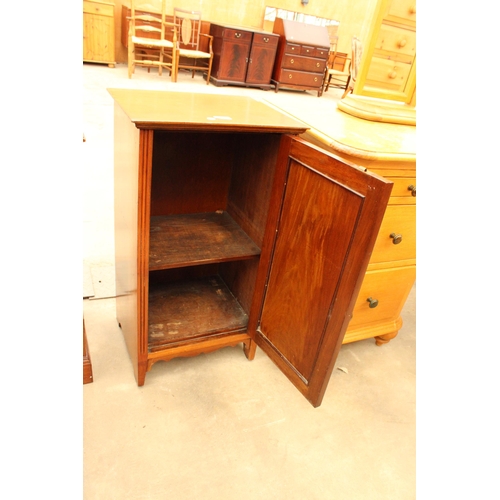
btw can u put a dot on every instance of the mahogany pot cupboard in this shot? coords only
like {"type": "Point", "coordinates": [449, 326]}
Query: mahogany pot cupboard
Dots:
{"type": "Point", "coordinates": [230, 229]}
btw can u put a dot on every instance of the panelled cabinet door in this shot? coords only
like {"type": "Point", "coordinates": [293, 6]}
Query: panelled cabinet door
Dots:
{"type": "Point", "coordinates": [261, 61]}
{"type": "Point", "coordinates": [319, 237]}
{"type": "Point", "coordinates": [235, 56]}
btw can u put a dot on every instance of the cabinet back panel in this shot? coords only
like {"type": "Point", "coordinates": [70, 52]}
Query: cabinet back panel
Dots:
{"type": "Point", "coordinates": [191, 172]}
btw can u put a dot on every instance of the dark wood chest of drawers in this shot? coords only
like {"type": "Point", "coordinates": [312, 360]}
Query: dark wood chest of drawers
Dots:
{"type": "Point", "coordinates": [302, 55]}
{"type": "Point", "coordinates": [242, 56]}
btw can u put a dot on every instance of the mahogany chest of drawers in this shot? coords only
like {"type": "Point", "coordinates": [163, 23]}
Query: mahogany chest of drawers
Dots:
{"type": "Point", "coordinates": [302, 55]}
{"type": "Point", "coordinates": [242, 56]}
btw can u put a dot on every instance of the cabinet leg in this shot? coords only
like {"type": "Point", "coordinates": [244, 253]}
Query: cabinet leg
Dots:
{"type": "Point", "coordinates": [141, 373]}
{"type": "Point", "coordinates": [384, 339]}
{"type": "Point", "coordinates": [249, 349]}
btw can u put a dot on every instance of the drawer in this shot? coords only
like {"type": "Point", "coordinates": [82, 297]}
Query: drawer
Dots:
{"type": "Point", "coordinates": [292, 77]}
{"type": "Point", "coordinates": [397, 43]}
{"type": "Point", "coordinates": [303, 64]}
{"type": "Point", "coordinates": [321, 52]}
{"type": "Point", "coordinates": [388, 74]}
{"type": "Point", "coordinates": [239, 35]}
{"type": "Point", "coordinates": [103, 9]}
{"type": "Point", "coordinates": [403, 11]}
{"type": "Point", "coordinates": [388, 290]}
{"type": "Point", "coordinates": [307, 50]}
{"type": "Point", "coordinates": [268, 40]}
{"type": "Point", "coordinates": [292, 48]}
{"type": "Point", "coordinates": [400, 221]}
{"type": "Point", "coordinates": [404, 189]}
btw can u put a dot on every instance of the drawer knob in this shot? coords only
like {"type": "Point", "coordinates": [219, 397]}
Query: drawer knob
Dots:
{"type": "Point", "coordinates": [266, 39]}
{"type": "Point", "coordinates": [290, 76]}
{"type": "Point", "coordinates": [372, 302]}
{"type": "Point", "coordinates": [413, 9]}
{"type": "Point", "coordinates": [292, 61]}
{"type": "Point", "coordinates": [402, 43]}
{"type": "Point", "coordinates": [237, 35]}
{"type": "Point", "coordinates": [413, 189]}
{"type": "Point", "coordinates": [396, 238]}
{"type": "Point", "coordinates": [392, 74]}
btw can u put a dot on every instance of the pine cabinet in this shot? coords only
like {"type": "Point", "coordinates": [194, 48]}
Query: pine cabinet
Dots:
{"type": "Point", "coordinates": [242, 56]}
{"type": "Point", "coordinates": [231, 229]}
{"type": "Point", "coordinates": [98, 32]}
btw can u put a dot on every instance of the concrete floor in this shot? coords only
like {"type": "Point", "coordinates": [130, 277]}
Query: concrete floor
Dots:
{"type": "Point", "coordinates": [218, 426]}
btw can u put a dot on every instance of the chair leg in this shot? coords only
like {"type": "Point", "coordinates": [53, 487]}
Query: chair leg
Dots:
{"type": "Point", "coordinates": [130, 62]}
{"type": "Point", "coordinates": [327, 83]}
{"type": "Point", "coordinates": [209, 72]}
{"type": "Point", "coordinates": [347, 87]}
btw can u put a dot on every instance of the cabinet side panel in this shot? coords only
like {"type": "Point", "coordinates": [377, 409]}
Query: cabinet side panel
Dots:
{"type": "Point", "coordinates": [248, 204]}
{"type": "Point", "coordinates": [251, 182]}
{"type": "Point", "coordinates": [126, 152]}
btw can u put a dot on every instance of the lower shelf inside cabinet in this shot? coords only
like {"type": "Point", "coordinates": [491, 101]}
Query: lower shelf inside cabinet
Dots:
{"type": "Point", "coordinates": [183, 310]}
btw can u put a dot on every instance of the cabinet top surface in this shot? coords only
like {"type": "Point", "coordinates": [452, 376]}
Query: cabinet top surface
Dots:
{"type": "Point", "coordinates": [363, 139]}
{"type": "Point", "coordinates": [243, 28]}
{"type": "Point", "coordinates": [170, 110]}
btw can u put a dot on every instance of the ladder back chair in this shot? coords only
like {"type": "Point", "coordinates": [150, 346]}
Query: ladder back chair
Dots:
{"type": "Point", "coordinates": [150, 37]}
{"type": "Point", "coordinates": [337, 70]}
{"type": "Point", "coordinates": [357, 52]}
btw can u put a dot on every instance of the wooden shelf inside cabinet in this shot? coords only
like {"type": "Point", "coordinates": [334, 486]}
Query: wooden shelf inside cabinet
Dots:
{"type": "Point", "coordinates": [184, 310]}
{"type": "Point", "coordinates": [196, 239]}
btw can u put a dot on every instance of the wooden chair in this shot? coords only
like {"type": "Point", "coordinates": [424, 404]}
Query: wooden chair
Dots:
{"type": "Point", "coordinates": [357, 52]}
{"type": "Point", "coordinates": [337, 70]}
{"type": "Point", "coordinates": [147, 40]}
{"type": "Point", "coordinates": [190, 53]}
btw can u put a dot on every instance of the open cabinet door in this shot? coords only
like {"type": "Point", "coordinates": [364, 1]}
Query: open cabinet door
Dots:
{"type": "Point", "coordinates": [319, 238]}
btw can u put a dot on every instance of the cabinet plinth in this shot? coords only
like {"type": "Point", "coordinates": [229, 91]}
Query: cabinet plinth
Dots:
{"type": "Point", "coordinates": [220, 227]}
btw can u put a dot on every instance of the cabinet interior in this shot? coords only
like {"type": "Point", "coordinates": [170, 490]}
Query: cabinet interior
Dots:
{"type": "Point", "coordinates": [210, 195]}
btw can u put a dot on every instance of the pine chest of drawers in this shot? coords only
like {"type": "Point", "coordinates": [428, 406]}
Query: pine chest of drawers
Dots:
{"type": "Point", "coordinates": [388, 68]}
{"type": "Point", "coordinates": [388, 150]}
{"type": "Point", "coordinates": [302, 55]}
